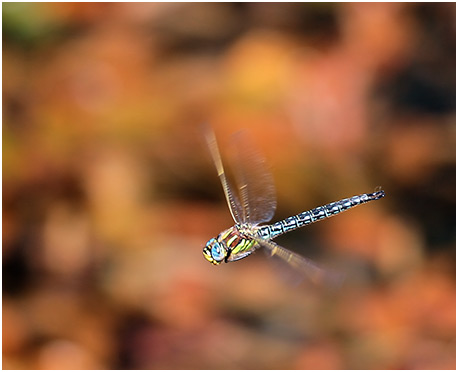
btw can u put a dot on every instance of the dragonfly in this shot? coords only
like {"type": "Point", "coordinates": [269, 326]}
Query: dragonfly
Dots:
{"type": "Point", "coordinates": [253, 202]}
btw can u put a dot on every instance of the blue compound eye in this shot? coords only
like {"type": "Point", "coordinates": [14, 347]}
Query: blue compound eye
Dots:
{"type": "Point", "coordinates": [217, 252]}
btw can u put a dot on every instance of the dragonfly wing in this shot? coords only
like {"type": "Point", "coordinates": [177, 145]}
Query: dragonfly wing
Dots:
{"type": "Point", "coordinates": [302, 266]}
{"type": "Point", "coordinates": [254, 181]}
{"type": "Point", "coordinates": [232, 200]}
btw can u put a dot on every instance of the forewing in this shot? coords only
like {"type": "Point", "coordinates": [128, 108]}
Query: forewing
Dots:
{"type": "Point", "coordinates": [254, 181]}
{"type": "Point", "coordinates": [302, 268]}
{"type": "Point", "coordinates": [232, 200]}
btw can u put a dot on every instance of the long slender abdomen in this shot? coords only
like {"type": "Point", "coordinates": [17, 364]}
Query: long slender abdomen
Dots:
{"type": "Point", "coordinates": [316, 214]}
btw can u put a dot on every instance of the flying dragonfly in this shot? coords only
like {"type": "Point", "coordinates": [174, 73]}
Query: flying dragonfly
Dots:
{"type": "Point", "coordinates": [253, 202]}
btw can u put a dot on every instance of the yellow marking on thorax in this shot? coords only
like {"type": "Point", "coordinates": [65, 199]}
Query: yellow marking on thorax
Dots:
{"type": "Point", "coordinates": [226, 234]}
{"type": "Point", "coordinates": [230, 241]}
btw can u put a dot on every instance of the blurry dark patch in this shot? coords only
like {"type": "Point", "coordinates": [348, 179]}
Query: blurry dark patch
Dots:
{"type": "Point", "coordinates": [28, 205]}
{"type": "Point", "coordinates": [14, 109]}
{"type": "Point", "coordinates": [202, 186]}
{"type": "Point", "coordinates": [211, 29]}
{"type": "Point", "coordinates": [199, 28]}
{"type": "Point", "coordinates": [16, 275]}
{"type": "Point", "coordinates": [438, 23]}
{"type": "Point", "coordinates": [316, 23]}
{"type": "Point", "coordinates": [130, 333]}
{"type": "Point", "coordinates": [417, 90]}
{"type": "Point", "coordinates": [30, 199]}
{"type": "Point", "coordinates": [435, 214]}
{"type": "Point", "coordinates": [427, 84]}
{"type": "Point", "coordinates": [264, 326]}
{"type": "Point", "coordinates": [39, 340]}
{"type": "Point", "coordinates": [245, 319]}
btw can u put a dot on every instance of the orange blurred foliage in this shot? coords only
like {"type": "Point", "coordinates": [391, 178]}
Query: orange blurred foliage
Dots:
{"type": "Point", "coordinates": [109, 193]}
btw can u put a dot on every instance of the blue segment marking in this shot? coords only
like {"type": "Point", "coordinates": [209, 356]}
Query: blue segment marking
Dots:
{"type": "Point", "coordinates": [276, 229]}
{"type": "Point", "coordinates": [318, 213]}
{"type": "Point", "coordinates": [355, 200]}
{"type": "Point", "coordinates": [331, 209]}
{"type": "Point", "coordinates": [345, 204]}
{"type": "Point", "coordinates": [264, 232]}
{"type": "Point", "coordinates": [290, 223]}
{"type": "Point", "coordinates": [304, 218]}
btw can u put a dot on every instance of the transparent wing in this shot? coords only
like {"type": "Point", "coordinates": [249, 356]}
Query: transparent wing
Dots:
{"type": "Point", "coordinates": [301, 266]}
{"type": "Point", "coordinates": [235, 207]}
{"type": "Point", "coordinates": [254, 181]}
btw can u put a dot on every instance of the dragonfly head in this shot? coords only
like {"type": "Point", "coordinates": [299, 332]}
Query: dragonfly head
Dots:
{"type": "Point", "coordinates": [214, 252]}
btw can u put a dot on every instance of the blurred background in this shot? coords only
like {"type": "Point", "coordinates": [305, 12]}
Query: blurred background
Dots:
{"type": "Point", "coordinates": [109, 192]}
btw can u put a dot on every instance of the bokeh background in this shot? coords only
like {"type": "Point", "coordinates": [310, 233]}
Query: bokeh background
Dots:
{"type": "Point", "coordinates": [109, 193]}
